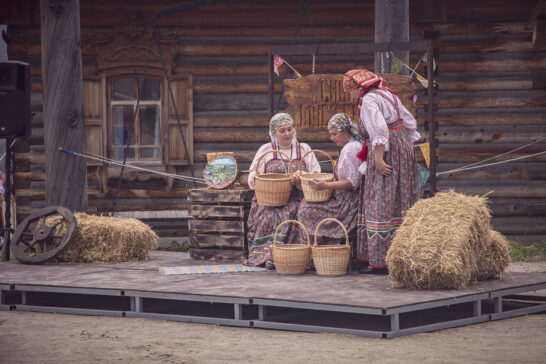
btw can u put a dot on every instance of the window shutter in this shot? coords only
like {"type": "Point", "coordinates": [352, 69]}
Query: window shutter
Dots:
{"type": "Point", "coordinates": [93, 110]}
{"type": "Point", "coordinates": [174, 150]}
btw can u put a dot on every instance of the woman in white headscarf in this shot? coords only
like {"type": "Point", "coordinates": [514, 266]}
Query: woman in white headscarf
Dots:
{"type": "Point", "coordinates": [263, 220]}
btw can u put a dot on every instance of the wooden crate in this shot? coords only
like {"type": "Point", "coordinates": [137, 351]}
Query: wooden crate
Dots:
{"type": "Point", "coordinates": [314, 99]}
{"type": "Point", "coordinates": [217, 223]}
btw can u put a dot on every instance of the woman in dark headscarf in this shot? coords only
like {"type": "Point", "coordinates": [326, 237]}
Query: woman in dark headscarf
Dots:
{"type": "Point", "coordinates": [343, 205]}
{"type": "Point", "coordinates": [391, 185]}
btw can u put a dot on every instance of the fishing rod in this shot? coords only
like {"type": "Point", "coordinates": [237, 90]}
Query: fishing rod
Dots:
{"type": "Point", "coordinates": [114, 162]}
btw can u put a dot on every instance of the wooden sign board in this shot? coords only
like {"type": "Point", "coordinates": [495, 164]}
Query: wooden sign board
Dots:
{"type": "Point", "coordinates": [314, 99]}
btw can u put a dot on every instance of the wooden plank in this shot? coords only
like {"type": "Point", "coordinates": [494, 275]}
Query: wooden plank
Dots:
{"type": "Point", "coordinates": [218, 226]}
{"type": "Point", "coordinates": [203, 211]}
{"type": "Point", "coordinates": [217, 254]}
{"type": "Point", "coordinates": [237, 195]}
{"type": "Point", "coordinates": [198, 240]}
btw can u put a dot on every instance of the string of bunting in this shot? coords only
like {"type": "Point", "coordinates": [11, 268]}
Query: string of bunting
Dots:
{"type": "Point", "coordinates": [278, 61]}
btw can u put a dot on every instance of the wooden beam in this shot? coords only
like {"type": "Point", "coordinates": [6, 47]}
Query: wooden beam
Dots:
{"type": "Point", "coordinates": [66, 175]}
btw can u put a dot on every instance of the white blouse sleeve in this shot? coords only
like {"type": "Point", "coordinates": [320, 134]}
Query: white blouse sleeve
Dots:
{"type": "Point", "coordinates": [374, 121]}
{"type": "Point", "coordinates": [348, 163]}
{"type": "Point", "coordinates": [409, 122]}
{"type": "Point", "coordinates": [252, 175]}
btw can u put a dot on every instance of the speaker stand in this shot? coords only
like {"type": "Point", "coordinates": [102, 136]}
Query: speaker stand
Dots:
{"type": "Point", "coordinates": [7, 230]}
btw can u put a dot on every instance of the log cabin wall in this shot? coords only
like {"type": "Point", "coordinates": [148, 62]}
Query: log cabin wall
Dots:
{"type": "Point", "coordinates": [491, 96]}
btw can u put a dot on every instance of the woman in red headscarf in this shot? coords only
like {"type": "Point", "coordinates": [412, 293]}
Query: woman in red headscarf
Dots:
{"type": "Point", "coordinates": [391, 184]}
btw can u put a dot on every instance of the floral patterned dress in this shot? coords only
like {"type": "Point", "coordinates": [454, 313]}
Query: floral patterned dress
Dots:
{"type": "Point", "coordinates": [263, 220]}
{"type": "Point", "coordinates": [385, 199]}
{"type": "Point", "coordinates": [343, 205]}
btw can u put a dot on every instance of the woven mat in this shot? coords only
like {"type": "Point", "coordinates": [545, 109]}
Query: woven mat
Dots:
{"type": "Point", "coordinates": [202, 269]}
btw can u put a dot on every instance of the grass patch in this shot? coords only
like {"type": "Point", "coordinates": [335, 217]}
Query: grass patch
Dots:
{"type": "Point", "coordinates": [528, 253]}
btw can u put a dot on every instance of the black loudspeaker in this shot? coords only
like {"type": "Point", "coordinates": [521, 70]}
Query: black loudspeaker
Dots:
{"type": "Point", "coordinates": [15, 115]}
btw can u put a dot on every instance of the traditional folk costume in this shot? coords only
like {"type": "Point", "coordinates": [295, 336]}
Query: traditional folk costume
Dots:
{"type": "Point", "coordinates": [343, 205]}
{"type": "Point", "coordinates": [263, 220]}
{"type": "Point", "coordinates": [385, 199]}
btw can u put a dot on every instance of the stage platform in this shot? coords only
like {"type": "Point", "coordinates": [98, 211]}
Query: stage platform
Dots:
{"type": "Point", "coordinates": [364, 305]}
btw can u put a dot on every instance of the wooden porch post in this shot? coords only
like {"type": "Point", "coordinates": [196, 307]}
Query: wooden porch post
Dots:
{"type": "Point", "coordinates": [66, 175]}
{"type": "Point", "coordinates": [391, 25]}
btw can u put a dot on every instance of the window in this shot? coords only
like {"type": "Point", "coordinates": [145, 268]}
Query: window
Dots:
{"type": "Point", "coordinates": [137, 135]}
{"type": "Point", "coordinates": [154, 135]}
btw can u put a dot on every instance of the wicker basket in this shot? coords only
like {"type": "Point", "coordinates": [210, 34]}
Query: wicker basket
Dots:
{"type": "Point", "coordinates": [331, 260]}
{"type": "Point", "coordinates": [308, 193]}
{"type": "Point", "coordinates": [273, 189]}
{"type": "Point", "coordinates": [291, 258]}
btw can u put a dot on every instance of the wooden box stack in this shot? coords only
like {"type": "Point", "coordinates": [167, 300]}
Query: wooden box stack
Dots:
{"type": "Point", "coordinates": [217, 223]}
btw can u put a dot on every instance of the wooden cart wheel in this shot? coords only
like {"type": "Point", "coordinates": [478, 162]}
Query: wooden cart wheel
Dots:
{"type": "Point", "coordinates": [39, 238]}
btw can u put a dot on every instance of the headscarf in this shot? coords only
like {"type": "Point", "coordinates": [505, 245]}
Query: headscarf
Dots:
{"type": "Point", "coordinates": [362, 80]}
{"type": "Point", "coordinates": [342, 122]}
{"type": "Point", "coordinates": [277, 121]}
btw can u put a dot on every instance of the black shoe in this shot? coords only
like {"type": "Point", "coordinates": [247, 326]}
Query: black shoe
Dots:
{"type": "Point", "coordinates": [371, 270]}
{"type": "Point", "coordinates": [269, 265]}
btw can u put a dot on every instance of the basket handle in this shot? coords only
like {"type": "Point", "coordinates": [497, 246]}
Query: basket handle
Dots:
{"type": "Point", "coordinates": [335, 220]}
{"type": "Point", "coordinates": [271, 151]}
{"type": "Point", "coordinates": [319, 150]}
{"type": "Point", "coordinates": [297, 222]}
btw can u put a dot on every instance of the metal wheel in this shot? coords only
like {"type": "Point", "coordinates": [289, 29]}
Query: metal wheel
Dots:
{"type": "Point", "coordinates": [39, 238]}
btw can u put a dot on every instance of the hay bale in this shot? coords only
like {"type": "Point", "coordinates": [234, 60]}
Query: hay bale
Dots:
{"type": "Point", "coordinates": [103, 239]}
{"type": "Point", "coordinates": [438, 244]}
{"type": "Point", "coordinates": [494, 257]}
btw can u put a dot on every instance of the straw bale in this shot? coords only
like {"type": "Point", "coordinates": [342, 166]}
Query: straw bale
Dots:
{"type": "Point", "coordinates": [103, 239]}
{"type": "Point", "coordinates": [494, 258]}
{"type": "Point", "coordinates": [438, 244]}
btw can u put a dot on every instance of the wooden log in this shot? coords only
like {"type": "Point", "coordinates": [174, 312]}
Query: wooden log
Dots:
{"type": "Point", "coordinates": [511, 189]}
{"type": "Point", "coordinates": [254, 135]}
{"type": "Point", "coordinates": [517, 207]}
{"type": "Point", "coordinates": [519, 225]}
{"type": "Point", "coordinates": [485, 82]}
{"type": "Point", "coordinates": [477, 152]}
{"type": "Point", "coordinates": [230, 119]}
{"type": "Point", "coordinates": [491, 118]}
{"type": "Point", "coordinates": [63, 104]}
{"type": "Point", "coordinates": [517, 170]}
{"type": "Point", "coordinates": [236, 88]}
{"type": "Point", "coordinates": [523, 134]}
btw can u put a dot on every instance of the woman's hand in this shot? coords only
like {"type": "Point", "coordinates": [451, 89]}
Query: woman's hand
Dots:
{"type": "Point", "coordinates": [317, 185]}
{"type": "Point", "coordinates": [295, 180]}
{"type": "Point", "coordinates": [383, 167]}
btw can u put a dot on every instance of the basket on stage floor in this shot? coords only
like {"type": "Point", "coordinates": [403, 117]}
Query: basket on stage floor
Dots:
{"type": "Point", "coordinates": [308, 193]}
{"type": "Point", "coordinates": [291, 258]}
{"type": "Point", "coordinates": [331, 260]}
{"type": "Point", "coordinates": [273, 189]}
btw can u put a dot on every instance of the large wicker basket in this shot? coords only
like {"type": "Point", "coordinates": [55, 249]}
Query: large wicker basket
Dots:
{"type": "Point", "coordinates": [331, 260]}
{"type": "Point", "coordinates": [291, 258]}
{"type": "Point", "coordinates": [273, 189]}
{"type": "Point", "coordinates": [308, 193]}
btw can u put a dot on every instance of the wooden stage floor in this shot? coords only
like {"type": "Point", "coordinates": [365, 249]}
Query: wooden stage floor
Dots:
{"type": "Point", "coordinates": [365, 305]}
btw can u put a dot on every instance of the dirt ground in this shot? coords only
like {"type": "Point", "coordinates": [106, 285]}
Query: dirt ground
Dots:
{"type": "Point", "coordinates": [27, 337]}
